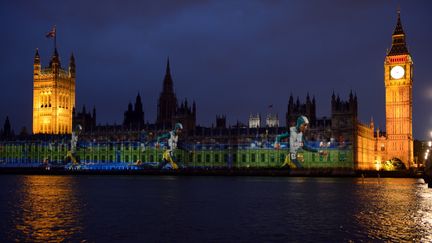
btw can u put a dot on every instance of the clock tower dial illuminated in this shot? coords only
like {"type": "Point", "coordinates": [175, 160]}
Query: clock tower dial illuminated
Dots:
{"type": "Point", "coordinates": [397, 72]}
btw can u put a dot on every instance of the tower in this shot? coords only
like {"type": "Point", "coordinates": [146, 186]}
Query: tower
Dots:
{"type": "Point", "coordinates": [398, 80]}
{"type": "Point", "coordinates": [167, 103]}
{"type": "Point", "coordinates": [254, 120]}
{"type": "Point", "coordinates": [344, 117]}
{"type": "Point", "coordinates": [53, 95]}
{"type": "Point", "coordinates": [296, 109]}
{"type": "Point", "coordinates": [134, 117]}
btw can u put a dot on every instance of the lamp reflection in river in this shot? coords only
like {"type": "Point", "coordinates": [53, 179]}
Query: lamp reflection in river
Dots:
{"type": "Point", "coordinates": [48, 209]}
{"type": "Point", "coordinates": [394, 210]}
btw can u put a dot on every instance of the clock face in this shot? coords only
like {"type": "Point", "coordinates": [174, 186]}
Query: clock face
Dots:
{"type": "Point", "coordinates": [397, 72]}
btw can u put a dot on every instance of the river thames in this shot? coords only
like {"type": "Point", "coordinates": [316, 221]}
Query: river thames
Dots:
{"type": "Point", "coordinates": [213, 209]}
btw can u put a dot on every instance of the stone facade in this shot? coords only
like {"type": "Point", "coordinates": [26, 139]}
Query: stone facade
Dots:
{"type": "Point", "coordinates": [53, 96]}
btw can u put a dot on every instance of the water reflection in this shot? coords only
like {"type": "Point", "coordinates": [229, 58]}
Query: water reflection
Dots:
{"type": "Point", "coordinates": [47, 209]}
{"type": "Point", "coordinates": [393, 210]}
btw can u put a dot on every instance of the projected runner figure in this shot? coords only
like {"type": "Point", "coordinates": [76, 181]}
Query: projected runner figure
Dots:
{"type": "Point", "coordinates": [172, 136]}
{"type": "Point", "coordinates": [296, 142]}
{"type": "Point", "coordinates": [74, 140]}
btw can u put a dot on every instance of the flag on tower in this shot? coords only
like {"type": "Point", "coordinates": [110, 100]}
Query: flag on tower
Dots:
{"type": "Point", "coordinates": [52, 33]}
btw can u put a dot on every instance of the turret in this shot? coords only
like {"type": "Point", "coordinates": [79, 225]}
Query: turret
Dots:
{"type": "Point", "coordinates": [138, 104]}
{"type": "Point", "coordinates": [194, 109]}
{"type": "Point", "coordinates": [94, 114]}
{"type": "Point", "coordinates": [36, 63]}
{"type": "Point", "coordinates": [7, 128]}
{"type": "Point", "coordinates": [72, 66]}
{"type": "Point", "coordinates": [55, 62]}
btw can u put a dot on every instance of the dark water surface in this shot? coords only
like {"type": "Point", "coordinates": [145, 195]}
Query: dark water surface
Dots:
{"type": "Point", "coordinates": [213, 209]}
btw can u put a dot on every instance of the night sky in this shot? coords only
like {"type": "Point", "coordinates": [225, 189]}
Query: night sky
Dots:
{"type": "Point", "coordinates": [233, 57]}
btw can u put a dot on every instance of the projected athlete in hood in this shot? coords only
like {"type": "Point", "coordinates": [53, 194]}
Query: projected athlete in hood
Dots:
{"type": "Point", "coordinates": [296, 142]}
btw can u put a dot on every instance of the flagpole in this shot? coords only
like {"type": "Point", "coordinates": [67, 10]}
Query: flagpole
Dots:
{"type": "Point", "coordinates": [55, 37]}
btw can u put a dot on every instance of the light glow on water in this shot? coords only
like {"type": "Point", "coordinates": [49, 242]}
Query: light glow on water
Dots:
{"type": "Point", "coordinates": [47, 209]}
{"type": "Point", "coordinates": [207, 209]}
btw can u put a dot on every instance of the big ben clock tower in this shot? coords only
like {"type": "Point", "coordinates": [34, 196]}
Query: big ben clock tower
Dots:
{"type": "Point", "coordinates": [398, 79]}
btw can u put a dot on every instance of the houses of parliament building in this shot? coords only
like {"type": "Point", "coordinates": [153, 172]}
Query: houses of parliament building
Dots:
{"type": "Point", "coordinates": [54, 112]}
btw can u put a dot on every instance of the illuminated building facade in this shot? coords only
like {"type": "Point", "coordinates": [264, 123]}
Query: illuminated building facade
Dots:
{"type": "Point", "coordinates": [254, 121]}
{"type": "Point", "coordinates": [398, 79]}
{"type": "Point", "coordinates": [396, 145]}
{"type": "Point", "coordinates": [53, 96]}
{"type": "Point", "coordinates": [272, 120]}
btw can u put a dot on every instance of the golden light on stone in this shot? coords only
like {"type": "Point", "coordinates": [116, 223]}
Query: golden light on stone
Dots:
{"type": "Point", "coordinates": [397, 143]}
{"type": "Point", "coordinates": [53, 96]}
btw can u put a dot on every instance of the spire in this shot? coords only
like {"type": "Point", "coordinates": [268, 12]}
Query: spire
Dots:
{"type": "Point", "coordinates": [55, 60]}
{"type": "Point", "coordinates": [138, 104]}
{"type": "Point", "coordinates": [72, 60]}
{"type": "Point", "coordinates": [72, 66]}
{"type": "Point", "coordinates": [168, 71]}
{"type": "Point", "coordinates": [398, 39]}
{"type": "Point", "coordinates": [194, 107]}
{"type": "Point", "coordinates": [7, 128]}
{"type": "Point", "coordinates": [37, 57]}
{"type": "Point", "coordinates": [168, 83]}
{"type": "Point", "coordinates": [138, 99]}
{"type": "Point", "coordinates": [398, 30]}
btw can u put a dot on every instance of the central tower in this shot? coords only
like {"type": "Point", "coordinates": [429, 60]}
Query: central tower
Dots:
{"type": "Point", "coordinates": [398, 80]}
{"type": "Point", "coordinates": [167, 103]}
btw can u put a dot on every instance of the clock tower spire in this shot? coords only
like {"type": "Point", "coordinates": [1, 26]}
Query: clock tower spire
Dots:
{"type": "Point", "coordinates": [398, 80]}
{"type": "Point", "coordinates": [398, 39]}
